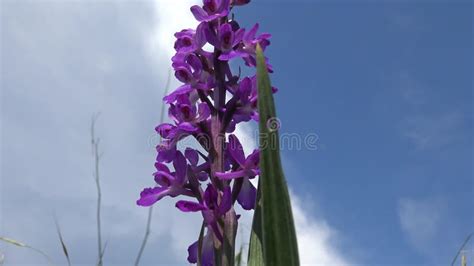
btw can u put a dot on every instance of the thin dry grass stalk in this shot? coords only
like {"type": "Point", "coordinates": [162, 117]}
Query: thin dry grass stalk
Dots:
{"type": "Point", "coordinates": [97, 155]}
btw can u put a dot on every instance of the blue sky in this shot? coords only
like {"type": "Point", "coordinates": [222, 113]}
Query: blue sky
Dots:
{"type": "Point", "coordinates": [387, 87]}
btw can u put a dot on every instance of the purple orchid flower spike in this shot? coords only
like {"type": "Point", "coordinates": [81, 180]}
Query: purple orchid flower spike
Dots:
{"type": "Point", "coordinates": [198, 109]}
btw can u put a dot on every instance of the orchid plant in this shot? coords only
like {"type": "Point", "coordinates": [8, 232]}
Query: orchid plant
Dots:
{"type": "Point", "coordinates": [208, 106]}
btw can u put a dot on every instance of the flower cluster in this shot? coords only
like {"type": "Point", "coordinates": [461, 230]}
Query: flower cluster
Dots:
{"type": "Point", "coordinates": [218, 174]}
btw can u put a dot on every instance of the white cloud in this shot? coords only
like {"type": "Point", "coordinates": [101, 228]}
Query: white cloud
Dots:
{"type": "Point", "coordinates": [420, 220]}
{"type": "Point", "coordinates": [171, 16]}
{"type": "Point", "coordinates": [433, 131]}
{"type": "Point", "coordinates": [427, 130]}
{"type": "Point", "coordinates": [315, 238]}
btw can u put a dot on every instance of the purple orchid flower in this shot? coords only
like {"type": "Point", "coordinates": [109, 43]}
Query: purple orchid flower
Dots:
{"type": "Point", "coordinates": [210, 208]}
{"type": "Point", "coordinates": [187, 113]}
{"type": "Point", "coordinates": [246, 168]}
{"type": "Point", "coordinates": [170, 184]}
{"type": "Point", "coordinates": [207, 255]}
{"type": "Point", "coordinates": [212, 9]}
{"type": "Point", "coordinates": [248, 46]}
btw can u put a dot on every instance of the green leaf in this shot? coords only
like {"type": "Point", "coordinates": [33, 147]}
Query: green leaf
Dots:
{"type": "Point", "coordinates": [256, 245]}
{"type": "Point", "coordinates": [201, 236]}
{"type": "Point", "coordinates": [238, 257]}
{"type": "Point", "coordinates": [277, 232]}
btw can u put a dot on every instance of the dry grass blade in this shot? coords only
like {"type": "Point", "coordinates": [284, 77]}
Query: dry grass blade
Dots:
{"type": "Point", "coordinates": [2, 258]}
{"type": "Point", "coordinates": [23, 245]}
{"type": "Point", "coordinates": [461, 248]}
{"type": "Point", "coordinates": [13, 242]}
{"type": "Point", "coordinates": [95, 152]}
{"type": "Point", "coordinates": [102, 253]}
{"type": "Point", "coordinates": [150, 209]}
{"type": "Point", "coordinates": [63, 245]}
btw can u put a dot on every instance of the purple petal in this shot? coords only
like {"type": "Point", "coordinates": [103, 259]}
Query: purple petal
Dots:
{"type": "Point", "coordinates": [210, 196]}
{"type": "Point", "coordinates": [173, 113]}
{"type": "Point", "coordinates": [179, 164]}
{"type": "Point", "coordinates": [204, 112]}
{"type": "Point", "coordinates": [230, 175]}
{"type": "Point", "coordinates": [163, 178]}
{"type": "Point", "coordinates": [236, 150]}
{"type": "Point", "coordinates": [202, 176]}
{"type": "Point", "coordinates": [194, 61]}
{"type": "Point", "coordinates": [151, 195]}
{"type": "Point", "coordinates": [255, 116]}
{"type": "Point", "coordinates": [240, 2]}
{"type": "Point", "coordinates": [211, 38]}
{"type": "Point", "coordinates": [247, 195]}
{"type": "Point", "coordinates": [188, 127]}
{"type": "Point", "coordinates": [224, 8]}
{"type": "Point", "coordinates": [245, 88]}
{"type": "Point", "coordinates": [231, 127]}
{"type": "Point", "coordinates": [184, 33]}
{"type": "Point", "coordinates": [180, 91]}
{"type": "Point", "coordinates": [231, 55]}
{"type": "Point", "coordinates": [184, 44]}
{"type": "Point", "coordinates": [200, 36]}
{"type": "Point", "coordinates": [252, 160]}
{"type": "Point", "coordinates": [178, 59]}
{"type": "Point", "coordinates": [189, 206]}
{"type": "Point", "coordinates": [264, 36]}
{"type": "Point", "coordinates": [183, 74]}
{"type": "Point", "coordinates": [162, 167]}
{"type": "Point", "coordinates": [226, 36]}
{"type": "Point", "coordinates": [193, 252]}
{"type": "Point", "coordinates": [207, 256]}
{"type": "Point", "coordinates": [239, 35]}
{"type": "Point", "coordinates": [164, 129]}
{"type": "Point", "coordinates": [166, 152]}
{"type": "Point", "coordinates": [199, 13]}
{"type": "Point", "coordinates": [250, 35]}
{"type": "Point", "coordinates": [186, 112]}
{"type": "Point", "coordinates": [192, 156]}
